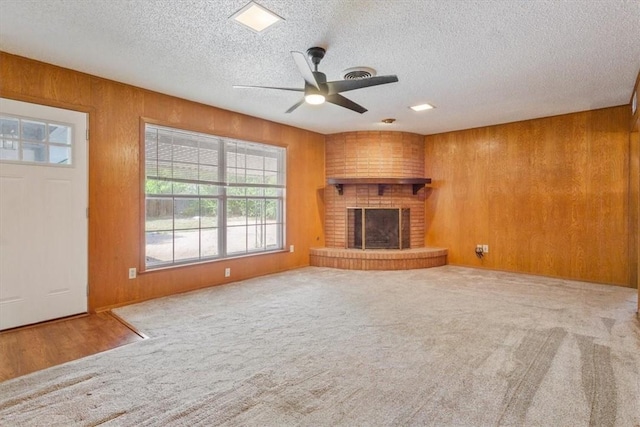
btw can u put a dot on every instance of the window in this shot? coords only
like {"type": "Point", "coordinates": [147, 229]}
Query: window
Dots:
{"type": "Point", "coordinates": [27, 140]}
{"type": "Point", "coordinates": [209, 197]}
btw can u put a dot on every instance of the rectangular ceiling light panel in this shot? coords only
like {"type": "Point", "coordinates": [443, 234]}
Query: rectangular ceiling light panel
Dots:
{"type": "Point", "coordinates": [255, 17]}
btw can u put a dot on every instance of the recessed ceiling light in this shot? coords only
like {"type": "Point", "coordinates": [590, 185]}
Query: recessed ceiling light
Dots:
{"type": "Point", "coordinates": [255, 17]}
{"type": "Point", "coordinates": [422, 107]}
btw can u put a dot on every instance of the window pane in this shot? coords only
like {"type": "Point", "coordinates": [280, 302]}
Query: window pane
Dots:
{"type": "Point", "coordinates": [255, 177]}
{"type": "Point", "coordinates": [59, 134]}
{"type": "Point", "coordinates": [165, 169]}
{"type": "Point", "coordinates": [9, 150]}
{"type": "Point", "coordinates": [231, 156]}
{"type": "Point", "coordinates": [187, 245]}
{"type": "Point", "coordinates": [185, 188]}
{"type": "Point", "coordinates": [186, 152]}
{"type": "Point", "coordinates": [34, 152]}
{"type": "Point", "coordinates": [151, 168]}
{"type": "Point", "coordinates": [209, 242]}
{"type": "Point", "coordinates": [255, 236]}
{"type": "Point", "coordinates": [209, 152]}
{"type": "Point", "coordinates": [209, 190]}
{"type": "Point", "coordinates": [208, 173]}
{"type": "Point", "coordinates": [273, 192]}
{"type": "Point", "coordinates": [153, 186]}
{"type": "Point", "coordinates": [34, 131]}
{"type": "Point", "coordinates": [209, 213]}
{"type": "Point", "coordinates": [59, 155]}
{"type": "Point", "coordinates": [165, 151]}
{"type": "Point", "coordinates": [255, 162]}
{"type": "Point", "coordinates": [159, 215]}
{"type": "Point", "coordinates": [236, 191]}
{"type": "Point", "coordinates": [271, 210]}
{"type": "Point", "coordinates": [271, 164]}
{"type": "Point", "coordinates": [236, 211]}
{"type": "Point", "coordinates": [9, 128]}
{"type": "Point", "coordinates": [185, 171]}
{"type": "Point", "coordinates": [255, 191]}
{"type": "Point", "coordinates": [186, 213]}
{"type": "Point", "coordinates": [236, 175]}
{"type": "Point", "coordinates": [159, 247]}
{"type": "Point", "coordinates": [272, 236]}
{"type": "Point", "coordinates": [241, 160]}
{"type": "Point", "coordinates": [255, 211]}
{"type": "Point", "coordinates": [271, 178]}
{"type": "Point", "coordinates": [236, 239]}
{"type": "Point", "coordinates": [151, 154]}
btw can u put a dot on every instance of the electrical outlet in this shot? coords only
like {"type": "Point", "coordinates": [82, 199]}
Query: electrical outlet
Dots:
{"type": "Point", "coordinates": [485, 249]}
{"type": "Point", "coordinates": [479, 248]}
{"type": "Point", "coordinates": [227, 272]}
{"type": "Point", "coordinates": [291, 248]}
{"type": "Point", "coordinates": [133, 273]}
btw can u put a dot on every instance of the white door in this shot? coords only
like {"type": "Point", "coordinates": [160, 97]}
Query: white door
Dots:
{"type": "Point", "coordinates": [43, 216]}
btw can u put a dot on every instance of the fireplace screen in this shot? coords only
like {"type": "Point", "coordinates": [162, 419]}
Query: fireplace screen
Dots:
{"type": "Point", "coordinates": [378, 228]}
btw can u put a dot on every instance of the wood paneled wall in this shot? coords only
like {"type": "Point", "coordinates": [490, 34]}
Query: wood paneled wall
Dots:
{"type": "Point", "coordinates": [549, 196]}
{"type": "Point", "coordinates": [115, 225]}
{"type": "Point", "coordinates": [634, 206]}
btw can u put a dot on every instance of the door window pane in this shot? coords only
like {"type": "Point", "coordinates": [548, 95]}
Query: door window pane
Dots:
{"type": "Point", "coordinates": [34, 131]}
{"type": "Point", "coordinates": [59, 134]}
{"type": "Point", "coordinates": [59, 155]}
{"type": "Point", "coordinates": [9, 128]}
{"type": "Point", "coordinates": [9, 150]}
{"type": "Point", "coordinates": [34, 152]}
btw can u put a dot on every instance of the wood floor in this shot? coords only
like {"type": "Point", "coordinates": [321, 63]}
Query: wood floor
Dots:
{"type": "Point", "coordinates": [32, 348]}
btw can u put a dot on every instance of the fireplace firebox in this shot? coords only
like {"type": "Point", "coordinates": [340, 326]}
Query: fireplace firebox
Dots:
{"type": "Point", "coordinates": [378, 228]}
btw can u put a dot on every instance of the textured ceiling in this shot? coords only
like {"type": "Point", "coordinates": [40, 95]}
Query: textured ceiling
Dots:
{"type": "Point", "coordinates": [479, 62]}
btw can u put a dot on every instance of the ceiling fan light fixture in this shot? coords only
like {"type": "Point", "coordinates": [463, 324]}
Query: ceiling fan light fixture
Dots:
{"type": "Point", "coordinates": [255, 17]}
{"type": "Point", "coordinates": [314, 99]}
{"type": "Point", "coordinates": [422, 107]}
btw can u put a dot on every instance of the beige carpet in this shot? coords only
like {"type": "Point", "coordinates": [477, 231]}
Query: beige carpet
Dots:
{"type": "Point", "coordinates": [446, 346]}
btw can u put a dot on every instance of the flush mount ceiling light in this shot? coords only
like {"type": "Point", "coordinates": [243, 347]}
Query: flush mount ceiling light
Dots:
{"type": "Point", "coordinates": [422, 107]}
{"type": "Point", "coordinates": [255, 17]}
{"type": "Point", "coordinates": [388, 121]}
{"type": "Point", "coordinates": [314, 99]}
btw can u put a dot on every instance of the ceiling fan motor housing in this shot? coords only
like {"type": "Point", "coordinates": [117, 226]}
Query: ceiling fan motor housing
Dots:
{"type": "Point", "coordinates": [315, 55]}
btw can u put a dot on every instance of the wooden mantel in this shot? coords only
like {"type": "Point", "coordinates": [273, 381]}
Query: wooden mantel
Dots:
{"type": "Point", "coordinates": [417, 183]}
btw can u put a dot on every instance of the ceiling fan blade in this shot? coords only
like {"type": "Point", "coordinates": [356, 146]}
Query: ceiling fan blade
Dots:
{"type": "Point", "coordinates": [345, 85]}
{"type": "Point", "coordinates": [267, 87]}
{"type": "Point", "coordinates": [346, 103]}
{"type": "Point", "coordinates": [305, 69]}
{"type": "Point", "coordinates": [294, 106]}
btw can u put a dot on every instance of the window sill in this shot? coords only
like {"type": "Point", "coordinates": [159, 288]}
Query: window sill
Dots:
{"type": "Point", "coordinates": [209, 261]}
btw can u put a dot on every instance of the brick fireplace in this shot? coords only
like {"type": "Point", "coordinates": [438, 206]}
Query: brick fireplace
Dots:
{"type": "Point", "coordinates": [380, 170]}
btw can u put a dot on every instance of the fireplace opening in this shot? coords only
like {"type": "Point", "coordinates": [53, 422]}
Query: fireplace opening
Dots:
{"type": "Point", "coordinates": [378, 228]}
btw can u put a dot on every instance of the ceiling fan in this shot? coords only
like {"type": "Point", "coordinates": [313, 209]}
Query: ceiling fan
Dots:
{"type": "Point", "coordinates": [316, 87]}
